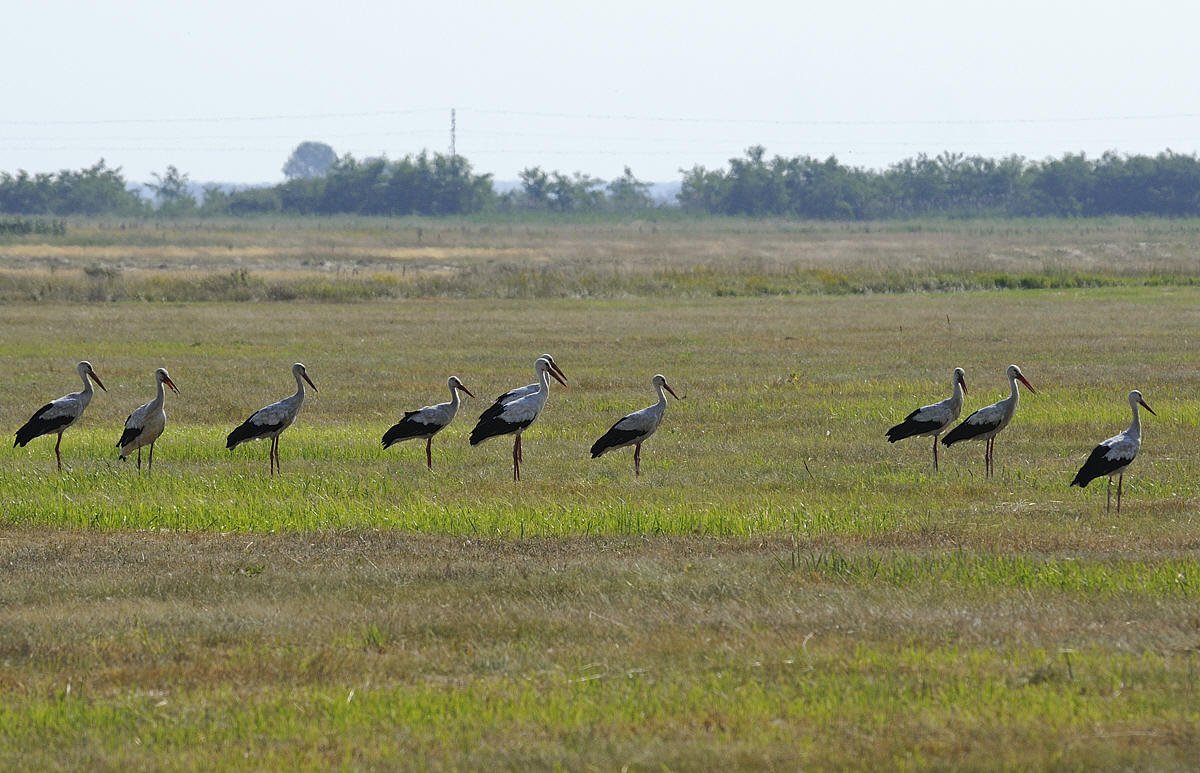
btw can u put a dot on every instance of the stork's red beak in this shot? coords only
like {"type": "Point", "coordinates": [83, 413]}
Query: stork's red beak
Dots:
{"type": "Point", "coordinates": [557, 378]}
{"type": "Point", "coordinates": [310, 383]}
{"type": "Point", "coordinates": [562, 377]}
{"type": "Point", "coordinates": [1026, 383]}
{"type": "Point", "coordinates": [96, 378]}
{"type": "Point", "coordinates": [463, 387]}
{"type": "Point", "coordinates": [667, 387]}
{"type": "Point", "coordinates": [962, 382]}
{"type": "Point", "coordinates": [1147, 407]}
{"type": "Point", "coordinates": [167, 380]}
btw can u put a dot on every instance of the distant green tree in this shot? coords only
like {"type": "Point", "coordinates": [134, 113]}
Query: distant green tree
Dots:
{"type": "Point", "coordinates": [173, 193]}
{"type": "Point", "coordinates": [535, 188]}
{"type": "Point", "coordinates": [215, 202]}
{"type": "Point", "coordinates": [702, 190]}
{"type": "Point", "coordinates": [93, 191]}
{"type": "Point", "coordinates": [629, 194]}
{"type": "Point", "coordinates": [309, 159]}
{"type": "Point", "coordinates": [575, 193]}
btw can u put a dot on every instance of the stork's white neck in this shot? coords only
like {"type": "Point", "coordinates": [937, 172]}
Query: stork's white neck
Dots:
{"type": "Point", "coordinates": [1135, 426]}
{"type": "Point", "coordinates": [662, 395]}
{"type": "Point", "coordinates": [1012, 381]}
{"type": "Point", "coordinates": [299, 384]}
{"type": "Point", "coordinates": [160, 395]}
{"type": "Point", "coordinates": [956, 396]}
{"type": "Point", "coordinates": [454, 398]}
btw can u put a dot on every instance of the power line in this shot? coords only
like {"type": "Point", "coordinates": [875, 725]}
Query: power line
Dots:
{"type": "Point", "coordinates": [824, 122]}
{"type": "Point", "coordinates": [220, 119]}
{"type": "Point", "coordinates": [610, 117]}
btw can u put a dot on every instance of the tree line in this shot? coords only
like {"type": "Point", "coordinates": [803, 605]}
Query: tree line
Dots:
{"type": "Point", "coordinates": [950, 184]}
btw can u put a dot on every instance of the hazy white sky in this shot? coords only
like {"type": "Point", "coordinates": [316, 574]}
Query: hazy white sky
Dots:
{"type": "Point", "coordinates": [224, 90]}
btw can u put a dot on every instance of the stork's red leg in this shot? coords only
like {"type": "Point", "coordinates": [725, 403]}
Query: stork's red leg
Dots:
{"type": "Point", "coordinates": [1120, 480]}
{"type": "Point", "coordinates": [150, 465]}
{"type": "Point", "coordinates": [935, 459]}
{"type": "Point", "coordinates": [1108, 505]}
{"type": "Point", "coordinates": [429, 452]}
{"type": "Point", "coordinates": [637, 459]}
{"type": "Point", "coordinates": [139, 458]}
{"type": "Point", "coordinates": [57, 454]}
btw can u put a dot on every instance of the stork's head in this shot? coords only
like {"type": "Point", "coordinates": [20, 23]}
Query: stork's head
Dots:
{"type": "Point", "coordinates": [1015, 373]}
{"type": "Point", "coordinates": [960, 378]}
{"type": "Point", "coordinates": [1135, 398]}
{"type": "Point", "coordinates": [454, 383]}
{"type": "Point", "coordinates": [300, 372]}
{"type": "Point", "coordinates": [161, 376]}
{"type": "Point", "coordinates": [543, 365]}
{"type": "Point", "coordinates": [660, 381]}
{"type": "Point", "coordinates": [554, 368]}
{"type": "Point", "coordinates": [85, 371]}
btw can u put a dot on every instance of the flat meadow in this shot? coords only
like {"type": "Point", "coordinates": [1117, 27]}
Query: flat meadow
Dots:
{"type": "Point", "coordinates": [780, 588]}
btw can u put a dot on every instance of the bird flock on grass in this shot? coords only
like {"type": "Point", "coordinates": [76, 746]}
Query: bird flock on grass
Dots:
{"type": "Point", "coordinates": [516, 410]}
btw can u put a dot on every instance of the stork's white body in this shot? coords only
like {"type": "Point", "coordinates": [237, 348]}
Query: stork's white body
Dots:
{"type": "Point", "coordinates": [517, 393]}
{"type": "Point", "coordinates": [516, 415]}
{"type": "Point", "coordinates": [987, 422]}
{"type": "Point", "coordinates": [272, 420]}
{"type": "Point", "coordinates": [633, 429]}
{"type": "Point", "coordinates": [932, 419]}
{"type": "Point", "coordinates": [56, 416]}
{"type": "Point", "coordinates": [145, 425]}
{"type": "Point", "coordinates": [1113, 456]}
{"type": "Point", "coordinates": [427, 421]}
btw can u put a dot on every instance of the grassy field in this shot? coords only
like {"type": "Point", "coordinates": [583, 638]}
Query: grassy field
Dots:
{"type": "Point", "coordinates": [780, 588]}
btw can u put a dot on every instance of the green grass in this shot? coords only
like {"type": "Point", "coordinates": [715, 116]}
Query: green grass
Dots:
{"type": "Point", "coordinates": [780, 588]}
{"type": "Point", "coordinates": [787, 400]}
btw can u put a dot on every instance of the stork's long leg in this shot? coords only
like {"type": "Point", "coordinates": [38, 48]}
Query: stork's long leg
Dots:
{"type": "Point", "coordinates": [57, 453]}
{"type": "Point", "coordinates": [517, 458]}
{"type": "Point", "coordinates": [1108, 506]}
{"type": "Point", "coordinates": [429, 452]}
{"type": "Point", "coordinates": [274, 453]}
{"type": "Point", "coordinates": [1120, 480]}
{"type": "Point", "coordinates": [150, 466]}
{"type": "Point", "coordinates": [637, 459]}
{"type": "Point", "coordinates": [139, 458]}
{"type": "Point", "coordinates": [935, 458]}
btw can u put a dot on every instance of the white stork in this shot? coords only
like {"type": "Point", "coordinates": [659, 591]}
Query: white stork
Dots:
{"type": "Point", "coordinates": [987, 422]}
{"type": "Point", "coordinates": [517, 414]}
{"type": "Point", "coordinates": [933, 419]}
{"type": "Point", "coordinates": [144, 426]}
{"type": "Point", "coordinates": [634, 428]}
{"type": "Point", "coordinates": [269, 422]}
{"type": "Point", "coordinates": [1113, 456]}
{"type": "Point", "coordinates": [517, 392]}
{"type": "Point", "coordinates": [56, 416]}
{"type": "Point", "coordinates": [427, 422]}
